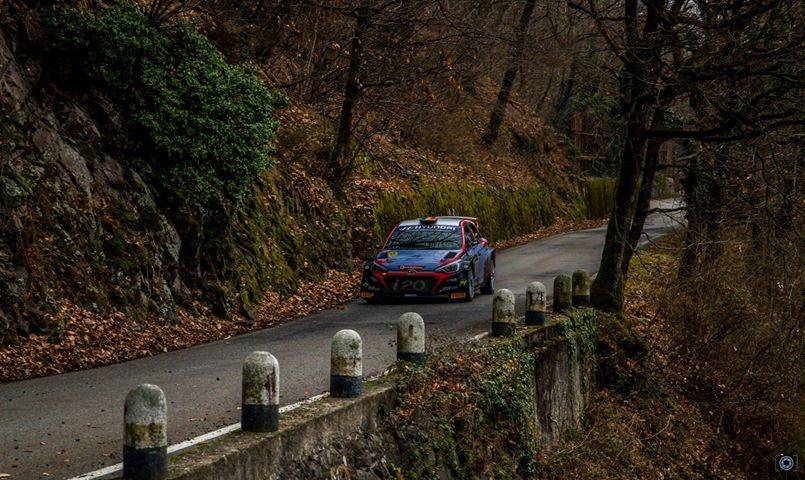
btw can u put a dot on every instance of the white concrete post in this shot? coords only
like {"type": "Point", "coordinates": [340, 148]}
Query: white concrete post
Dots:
{"type": "Point", "coordinates": [562, 294]}
{"type": "Point", "coordinates": [346, 365]}
{"type": "Point", "coordinates": [504, 320]}
{"type": "Point", "coordinates": [260, 404]}
{"type": "Point", "coordinates": [411, 338]}
{"type": "Point", "coordinates": [535, 298]}
{"type": "Point", "coordinates": [581, 289]}
{"type": "Point", "coordinates": [145, 434]}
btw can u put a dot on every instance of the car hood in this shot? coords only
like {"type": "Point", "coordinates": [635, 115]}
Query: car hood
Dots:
{"type": "Point", "coordinates": [417, 259]}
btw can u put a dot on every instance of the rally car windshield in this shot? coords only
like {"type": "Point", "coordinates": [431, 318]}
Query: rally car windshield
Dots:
{"type": "Point", "coordinates": [425, 237]}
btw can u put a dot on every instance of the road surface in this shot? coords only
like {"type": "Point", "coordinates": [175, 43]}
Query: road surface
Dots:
{"type": "Point", "coordinates": [70, 424]}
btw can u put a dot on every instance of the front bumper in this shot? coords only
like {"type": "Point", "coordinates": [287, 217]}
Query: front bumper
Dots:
{"type": "Point", "coordinates": [390, 284]}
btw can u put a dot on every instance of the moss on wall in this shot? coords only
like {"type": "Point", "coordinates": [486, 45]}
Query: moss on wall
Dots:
{"type": "Point", "coordinates": [599, 196]}
{"type": "Point", "coordinates": [504, 213]}
{"type": "Point", "coordinates": [276, 242]}
{"type": "Point", "coordinates": [580, 328]}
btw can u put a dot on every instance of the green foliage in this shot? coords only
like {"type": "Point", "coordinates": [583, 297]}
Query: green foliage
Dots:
{"type": "Point", "coordinates": [273, 243]}
{"type": "Point", "coordinates": [599, 194]}
{"type": "Point", "coordinates": [580, 328]}
{"type": "Point", "coordinates": [503, 213]}
{"type": "Point", "coordinates": [206, 125]}
{"type": "Point", "coordinates": [470, 411]}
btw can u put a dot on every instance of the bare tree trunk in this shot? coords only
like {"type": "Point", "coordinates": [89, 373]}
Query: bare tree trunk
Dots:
{"type": "Point", "coordinates": [339, 171]}
{"type": "Point", "coordinates": [499, 112]}
{"type": "Point", "coordinates": [607, 288]}
{"type": "Point", "coordinates": [566, 89]}
{"type": "Point", "coordinates": [606, 291]}
{"type": "Point", "coordinates": [694, 217]}
{"type": "Point", "coordinates": [643, 203]}
{"type": "Point", "coordinates": [636, 87]}
{"type": "Point", "coordinates": [650, 162]}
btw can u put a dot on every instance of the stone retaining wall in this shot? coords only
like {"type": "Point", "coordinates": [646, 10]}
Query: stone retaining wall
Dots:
{"type": "Point", "coordinates": [345, 438]}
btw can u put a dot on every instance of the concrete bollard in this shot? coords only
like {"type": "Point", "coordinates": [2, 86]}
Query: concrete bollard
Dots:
{"type": "Point", "coordinates": [562, 294]}
{"type": "Point", "coordinates": [145, 434]}
{"type": "Point", "coordinates": [504, 319]}
{"type": "Point", "coordinates": [411, 338]}
{"type": "Point", "coordinates": [535, 304]}
{"type": "Point", "coordinates": [346, 365]}
{"type": "Point", "coordinates": [260, 404]}
{"type": "Point", "coordinates": [581, 289]}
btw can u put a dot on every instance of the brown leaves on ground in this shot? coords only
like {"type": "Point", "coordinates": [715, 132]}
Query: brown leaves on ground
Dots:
{"type": "Point", "coordinates": [91, 340]}
{"type": "Point", "coordinates": [642, 436]}
{"type": "Point", "coordinates": [644, 425]}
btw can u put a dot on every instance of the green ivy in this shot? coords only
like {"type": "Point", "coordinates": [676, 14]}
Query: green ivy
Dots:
{"type": "Point", "coordinates": [206, 126]}
{"type": "Point", "coordinates": [481, 425]}
{"type": "Point", "coordinates": [580, 328]}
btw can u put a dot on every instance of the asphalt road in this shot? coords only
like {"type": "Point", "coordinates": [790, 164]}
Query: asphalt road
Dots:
{"type": "Point", "coordinates": [71, 424]}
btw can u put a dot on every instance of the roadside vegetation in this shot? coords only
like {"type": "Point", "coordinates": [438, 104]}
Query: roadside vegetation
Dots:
{"type": "Point", "coordinates": [469, 412]}
{"type": "Point", "coordinates": [178, 166]}
{"type": "Point", "coordinates": [193, 166]}
{"type": "Point", "coordinates": [659, 407]}
{"type": "Point", "coordinates": [205, 126]}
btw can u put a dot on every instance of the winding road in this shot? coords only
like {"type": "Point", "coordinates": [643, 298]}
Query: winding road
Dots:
{"type": "Point", "coordinates": [70, 424]}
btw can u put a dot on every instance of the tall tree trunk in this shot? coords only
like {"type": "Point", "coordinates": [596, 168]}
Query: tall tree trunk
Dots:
{"type": "Point", "coordinates": [339, 170]}
{"type": "Point", "coordinates": [499, 112]}
{"type": "Point", "coordinates": [643, 204]}
{"type": "Point", "coordinates": [606, 291]}
{"type": "Point", "coordinates": [607, 288]}
{"type": "Point", "coordinates": [694, 217]}
{"type": "Point", "coordinates": [566, 90]}
{"type": "Point", "coordinates": [636, 86]}
{"type": "Point", "coordinates": [650, 162]}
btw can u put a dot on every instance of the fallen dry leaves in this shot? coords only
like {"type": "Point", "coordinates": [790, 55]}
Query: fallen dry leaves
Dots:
{"type": "Point", "coordinates": [92, 340]}
{"type": "Point", "coordinates": [646, 427]}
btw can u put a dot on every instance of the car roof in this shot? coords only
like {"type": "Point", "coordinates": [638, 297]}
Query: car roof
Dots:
{"type": "Point", "coordinates": [446, 220]}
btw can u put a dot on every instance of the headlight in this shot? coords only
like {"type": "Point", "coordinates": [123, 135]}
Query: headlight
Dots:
{"type": "Point", "coordinates": [450, 267]}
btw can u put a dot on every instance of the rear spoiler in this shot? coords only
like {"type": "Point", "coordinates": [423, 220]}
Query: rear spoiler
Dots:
{"type": "Point", "coordinates": [472, 219]}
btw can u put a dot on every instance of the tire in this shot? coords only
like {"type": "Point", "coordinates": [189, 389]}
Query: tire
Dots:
{"type": "Point", "coordinates": [375, 300]}
{"type": "Point", "coordinates": [489, 284]}
{"type": "Point", "coordinates": [470, 290]}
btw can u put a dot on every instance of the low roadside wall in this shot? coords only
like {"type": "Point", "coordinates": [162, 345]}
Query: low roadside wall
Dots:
{"type": "Point", "coordinates": [304, 431]}
{"type": "Point", "coordinates": [346, 438]}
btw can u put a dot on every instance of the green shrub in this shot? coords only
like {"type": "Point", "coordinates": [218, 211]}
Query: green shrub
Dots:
{"type": "Point", "coordinates": [206, 125]}
{"type": "Point", "coordinates": [504, 213]}
{"type": "Point", "coordinates": [599, 194]}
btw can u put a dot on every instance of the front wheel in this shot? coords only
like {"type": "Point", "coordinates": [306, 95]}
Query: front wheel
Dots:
{"type": "Point", "coordinates": [489, 285]}
{"type": "Point", "coordinates": [375, 300]}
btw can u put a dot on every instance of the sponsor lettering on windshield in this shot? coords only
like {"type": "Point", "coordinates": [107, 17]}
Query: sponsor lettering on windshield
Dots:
{"type": "Point", "coordinates": [425, 237]}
